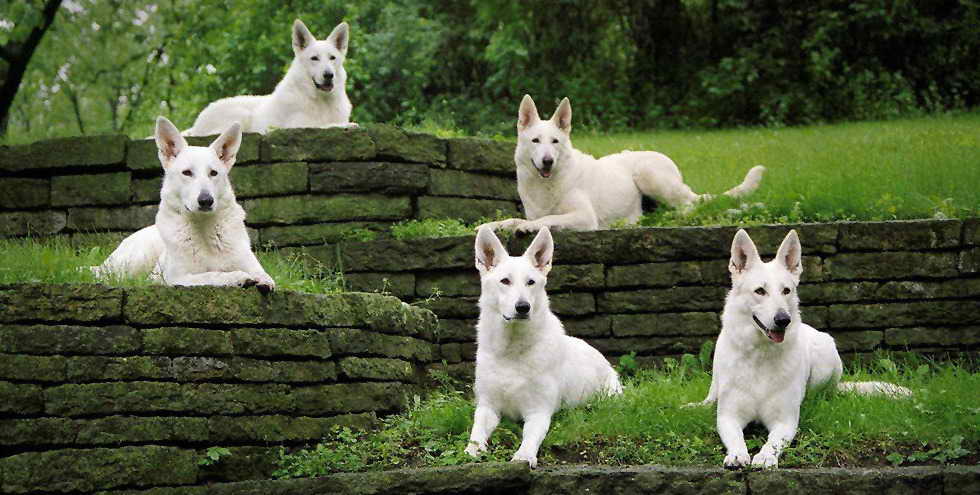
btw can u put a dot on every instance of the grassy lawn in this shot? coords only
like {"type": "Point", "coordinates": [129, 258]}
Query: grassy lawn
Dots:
{"type": "Point", "coordinates": [56, 261]}
{"type": "Point", "coordinates": [940, 424]}
{"type": "Point", "coordinates": [926, 167]}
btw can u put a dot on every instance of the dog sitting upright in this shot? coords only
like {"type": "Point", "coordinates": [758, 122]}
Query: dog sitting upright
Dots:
{"type": "Point", "coordinates": [526, 367]}
{"type": "Point", "coordinates": [199, 237]}
{"type": "Point", "coordinates": [767, 358]}
{"type": "Point", "coordinates": [564, 188]}
{"type": "Point", "coordinates": [312, 94]}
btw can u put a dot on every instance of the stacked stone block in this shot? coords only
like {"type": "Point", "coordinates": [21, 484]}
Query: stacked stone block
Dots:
{"type": "Point", "coordinates": [107, 388]}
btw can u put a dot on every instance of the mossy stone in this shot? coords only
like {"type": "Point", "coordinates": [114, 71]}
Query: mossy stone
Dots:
{"type": "Point", "coordinates": [665, 324]}
{"type": "Point", "coordinates": [331, 144]}
{"type": "Point", "coordinates": [21, 223]}
{"type": "Point", "coordinates": [266, 179]}
{"type": "Point", "coordinates": [381, 177]}
{"type": "Point", "coordinates": [358, 368]}
{"type": "Point", "coordinates": [126, 218]}
{"type": "Point", "coordinates": [675, 299]}
{"type": "Point", "coordinates": [392, 143]}
{"type": "Point", "coordinates": [37, 431]}
{"type": "Point", "coordinates": [115, 430]}
{"type": "Point", "coordinates": [348, 341]}
{"type": "Point", "coordinates": [182, 341]}
{"type": "Point", "coordinates": [53, 339]}
{"type": "Point", "coordinates": [340, 207]}
{"type": "Point", "coordinates": [141, 154]}
{"type": "Point", "coordinates": [320, 233]}
{"type": "Point", "coordinates": [351, 397]}
{"type": "Point", "coordinates": [67, 152]}
{"type": "Point", "coordinates": [470, 185]}
{"type": "Point", "coordinates": [21, 193]}
{"type": "Point", "coordinates": [91, 189]}
{"type": "Point", "coordinates": [482, 155]}
{"type": "Point", "coordinates": [281, 342]}
{"type": "Point", "coordinates": [467, 210]}
{"type": "Point", "coordinates": [31, 368]}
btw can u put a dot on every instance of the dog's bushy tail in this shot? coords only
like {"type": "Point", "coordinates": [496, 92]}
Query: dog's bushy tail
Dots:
{"type": "Point", "coordinates": [874, 388]}
{"type": "Point", "coordinates": [612, 385]}
{"type": "Point", "coordinates": [750, 184]}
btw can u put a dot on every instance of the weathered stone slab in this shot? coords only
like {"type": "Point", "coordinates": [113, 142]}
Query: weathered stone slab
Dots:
{"type": "Point", "coordinates": [128, 218]}
{"type": "Point", "coordinates": [381, 177]}
{"type": "Point", "coordinates": [281, 342]}
{"type": "Point", "coordinates": [360, 368]}
{"type": "Point", "coordinates": [351, 397]}
{"type": "Point", "coordinates": [445, 283]}
{"type": "Point", "coordinates": [333, 144]}
{"type": "Point", "coordinates": [573, 303]}
{"type": "Point", "coordinates": [37, 431]}
{"type": "Point", "coordinates": [267, 179]}
{"type": "Point", "coordinates": [970, 261]}
{"type": "Point", "coordinates": [636, 479]}
{"type": "Point", "coordinates": [565, 277]}
{"type": "Point", "coordinates": [667, 274]}
{"type": "Point", "coordinates": [905, 314]}
{"type": "Point", "coordinates": [592, 326]}
{"type": "Point", "coordinates": [971, 232]}
{"type": "Point", "coordinates": [114, 430]}
{"type": "Point", "coordinates": [650, 345]}
{"type": "Point", "coordinates": [853, 481]}
{"type": "Point", "coordinates": [94, 469]}
{"type": "Point", "coordinates": [470, 185]}
{"type": "Point", "coordinates": [69, 339]}
{"type": "Point", "coordinates": [837, 292]}
{"type": "Point", "coordinates": [167, 397]}
{"type": "Point", "coordinates": [961, 480]}
{"type": "Point", "coordinates": [322, 233]}
{"type": "Point", "coordinates": [21, 398]}
{"type": "Point", "coordinates": [891, 265]}
{"type": "Point", "coordinates": [858, 341]}
{"type": "Point", "coordinates": [24, 193]}
{"type": "Point", "coordinates": [396, 256]}
{"type": "Point", "coordinates": [30, 368]}
{"type": "Point", "coordinates": [142, 153]}
{"type": "Point", "coordinates": [396, 144]}
{"type": "Point", "coordinates": [932, 336]}
{"type": "Point", "coordinates": [79, 151]}
{"type": "Point", "coordinates": [146, 190]}
{"type": "Point", "coordinates": [180, 341]}
{"type": "Point", "coordinates": [59, 303]}
{"type": "Point", "coordinates": [686, 298]}
{"type": "Point", "coordinates": [308, 209]}
{"type": "Point", "coordinates": [279, 428]}
{"type": "Point", "coordinates": [454, 307]}
{"type": "Point", "coordinates": [348, 341]}
{"type": "Point", "coordinates": [451, 330]}
{"type": "Point", "coordinates": [465, 209]}
{"type": "Point", "coordinates": [481, 155]}
{"type": "Point", "coordinates": [90, 189]}
{"type": "Point", "coordinates": [20, 223]}
{"type": "Point", "coordinates": [666, 324]}
{"type": "Point", "coordinates": [910, 235]}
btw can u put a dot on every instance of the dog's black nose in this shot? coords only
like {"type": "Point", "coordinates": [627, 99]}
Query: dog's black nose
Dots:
{"type": "Point", "coordinates": [547, 162]}
{"type": "Point", "coordinates": [327, 76]}
{"type": "Point", "coordinates": [522, 307]}
{"type": "Point", "coordinates": [782, 319]}
{"type": "Point", "coordinates": [205, 201]}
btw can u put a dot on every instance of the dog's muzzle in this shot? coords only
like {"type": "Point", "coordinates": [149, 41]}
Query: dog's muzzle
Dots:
{"type": "Point", "coordinates": [776, 335]}
{"type": "Point", "coordinates": [327, 86]}
{"type": "Point", "coordinates": [545, 169]}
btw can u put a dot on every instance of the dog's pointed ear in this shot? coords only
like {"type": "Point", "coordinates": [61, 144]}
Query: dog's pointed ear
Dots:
{"type": "Point", "coordinates": [489, 251]}
{"type": "Point", "coordinates": [340, 37]}
{"type": "Point", "coordinates": [302, 37]}
{"type": "Point", "coordinates": [528, 114]}
{"type": "Point", "coordinates": [744, 254]}
{"type": "Point", "coordinates": [541, 251]}
{"type": "Point", "coordinates": [563, 116]}
{"type": "Point", "coordinates": [169, 141]}
{"type": "Point", "coordinates": [226, 145]}
{"type": "Point", "coordinates": [790, 254]}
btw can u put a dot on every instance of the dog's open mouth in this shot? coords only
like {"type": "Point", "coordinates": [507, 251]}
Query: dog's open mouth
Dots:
{"type": "Point", "coordinates": [544, 172]}
{"type": "Point", "coordinates": [327, 86]}
{"type": "Point", "coordinates": [776, 335]}
{"type": "Point", "coordinates": [516, 317]}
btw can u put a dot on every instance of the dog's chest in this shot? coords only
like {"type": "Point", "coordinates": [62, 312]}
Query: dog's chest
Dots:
{"type": "Point", "coordinates": [760, 386]}
{"type": "Point", "coordinates": [517, 385]}
{"type": "Point", "coordinates": [211, 247]}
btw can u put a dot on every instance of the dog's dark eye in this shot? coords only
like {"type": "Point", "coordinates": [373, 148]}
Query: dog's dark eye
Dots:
{"type": "Point", "coordinates": [505, 281]}
{"type": "Point", "coordinates": [188, 173]}
{"type": "Point", "coordinates": [535, 140]}
{"type": "Point", "coordinates": [760, 291]}
{"type": "Point", "coordinates": [333, 57]}
{"type": "Point", "coordinates": [214, 173]}
{"type": "Point", "coordinates": [554, 141]}
{"type": "Point", "coordinates": [530, 282]}
{"type": "Point", "coordinates": [315, 58]}
{"type": "Point", "coordinates": [786, 290]}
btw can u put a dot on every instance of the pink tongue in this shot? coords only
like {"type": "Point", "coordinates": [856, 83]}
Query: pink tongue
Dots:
{"type": "Point", "coordinates": [776, 337]}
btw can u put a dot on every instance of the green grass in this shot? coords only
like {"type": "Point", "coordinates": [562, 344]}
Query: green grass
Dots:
{"type": "Point", "coordinates": [940, 424]}
{"type": "Point", "coordinates": [55, 261]}
{"type": "Point", "coordinates": [925, 167]}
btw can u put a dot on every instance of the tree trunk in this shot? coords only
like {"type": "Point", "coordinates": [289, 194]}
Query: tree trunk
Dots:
{"type": "Point", "coordinates": [17, 55]}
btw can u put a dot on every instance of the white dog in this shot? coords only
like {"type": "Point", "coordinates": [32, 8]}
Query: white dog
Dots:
{"type": "Point", "coordinates": [313, 93]}
{"type": "Point", "coordinates": [767, 358]}
{"type": "Point", "coordinates": [199, 237]}
{"type": "Point", "coordinates": [526, 367]}
{"type": "Point", "coordinates": [562, 187]}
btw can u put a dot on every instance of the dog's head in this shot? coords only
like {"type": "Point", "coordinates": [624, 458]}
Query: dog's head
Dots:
{"type": "Point", "coordinates": [767, 290]}
{"type": "Point", "coordinates": [513, 286]}
{"type": "Point", "coordinates": [195, 178]}
{"type": "Point", "coordinates": [323, 61]}
{"type": "Point", "coordinates": [543, 144]}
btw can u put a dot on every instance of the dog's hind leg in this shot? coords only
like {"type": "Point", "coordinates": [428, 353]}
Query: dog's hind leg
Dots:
{"type": "Point", "coordinates": [484, 421]}
{"type": "Point", "coordinates": [535, 428]}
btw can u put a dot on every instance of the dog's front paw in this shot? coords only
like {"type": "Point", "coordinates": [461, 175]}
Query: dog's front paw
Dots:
{"type": "Point", "coordinates": [529, 227]}
{"type": "Point", "coordinates": [531, 460]}
{"type": "Point", "coordinates": [737, 460]}
{"type": "Point", "coordinates": [264, 283]}
{"type": "Point", "coordinates": [474, 449]}
{"type": "Point", "coordinates": [509, 224]}
{"type": "Point", "coordinates": [765, 460]}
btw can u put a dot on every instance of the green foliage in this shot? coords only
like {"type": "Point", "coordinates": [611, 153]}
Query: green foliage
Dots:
{"type": "Point", "coordinates": [430, 227]}
{"type": "Point", "coordinates": [213, 455]}
{"type": "Point", "coordinates": [647, 425]}
{"type": "Point", "coordinates": [464, 65]}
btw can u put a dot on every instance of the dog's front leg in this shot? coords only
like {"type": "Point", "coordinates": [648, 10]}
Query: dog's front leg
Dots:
{"type": "Point", "coordinates": [263, 281]}
{"type": "Point", "coordinates": [484, 421]}
{"type": "Point", "coordinates": [730, 431]}
{"type": "Point", "coordinates": [581, 216]}
{"type": "Point", "coordinates": [239, 278]}
{"type": "Point", "coordinates": [780, 435]}
{"type": "Point", "coordinates": [535, 428]}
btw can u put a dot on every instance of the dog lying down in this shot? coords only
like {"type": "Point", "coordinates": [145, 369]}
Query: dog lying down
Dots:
{"type": "Point", "coordinates": [526, 367]}
{"type": "Point", "coordinates": [766, 358]}
{"type": "Point", "coordinates": [564, 188]}
{"type": "Point", "coordinates": [199, 237]}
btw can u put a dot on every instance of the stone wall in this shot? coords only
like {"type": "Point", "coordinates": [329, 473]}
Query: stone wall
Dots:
{"type": "Point", "coordinates": [110, 388]}
{"type": "Point", "coordinates": [498, 478]}
{"type": "Point", "coordinates": [299, 186]}
{"type": "Point", "coordinates": [659, 291]}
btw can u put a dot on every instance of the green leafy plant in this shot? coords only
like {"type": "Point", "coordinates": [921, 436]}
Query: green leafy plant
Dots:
{"type": "Point", "coordinates": [213, 455]}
